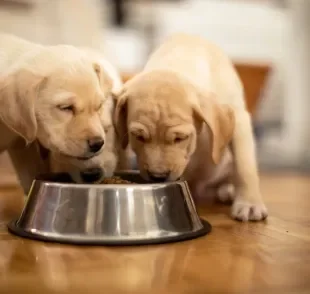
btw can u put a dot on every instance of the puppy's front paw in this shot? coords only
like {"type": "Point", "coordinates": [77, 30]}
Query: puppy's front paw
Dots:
{"type": "Point", "coordinates": [244, 210]}
{"type": "Point", "coordinates": [226, 193]}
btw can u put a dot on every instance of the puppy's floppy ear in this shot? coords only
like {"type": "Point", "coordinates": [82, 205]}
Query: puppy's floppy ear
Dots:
{"type": "Point", "coordinates": [221, 121]}
{"type": "Point", "coordinates": [105, 82]}
{"type": "Point", "coordinates": [120, 118]}
{"type": "Point", "coordinates": [18, 91]}
{"type": "Point", "coordinates": [108, 83]}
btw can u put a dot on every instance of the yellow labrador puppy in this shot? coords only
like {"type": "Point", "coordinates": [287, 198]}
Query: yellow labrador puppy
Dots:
{"type": "Point", "coordinates": [112, 156]}
{"type": "Point", "coordinates": [53, 95]}
{"type": "Point", "coordinates": [182, 114]}
{"type": "Point", "coordinates": [102, 165]}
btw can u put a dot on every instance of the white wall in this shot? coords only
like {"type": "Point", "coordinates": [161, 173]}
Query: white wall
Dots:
{"type": "Point", "coordinates": [249, 32]}
{"type": "Point", "coordinates": [75, 22]}
{"type": "Point", "coordinates": [252, 32]}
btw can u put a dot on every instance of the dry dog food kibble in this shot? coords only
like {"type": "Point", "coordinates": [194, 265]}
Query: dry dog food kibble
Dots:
{"type": "Point", "coordinates": [115, 180]}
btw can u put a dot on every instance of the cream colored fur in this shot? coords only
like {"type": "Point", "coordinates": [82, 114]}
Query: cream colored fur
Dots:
{"type": "Point", "coordinates": [108, 160]}
{"type": "Point", "coordinates": [185, 114]}
{"type": "Point", "coordinates": [53, 96]}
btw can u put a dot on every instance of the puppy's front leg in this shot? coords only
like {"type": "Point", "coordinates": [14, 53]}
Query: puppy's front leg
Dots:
{"type": "Point", "coordinates": [248, 204]}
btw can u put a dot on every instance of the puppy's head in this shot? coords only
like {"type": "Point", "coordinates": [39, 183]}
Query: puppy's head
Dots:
{"type": "Point", "coordinates": [56, 95]}
{"type": "Point", "coordinates": [94, 169]}
{"type": "Point", "coordinates": [161, 115]}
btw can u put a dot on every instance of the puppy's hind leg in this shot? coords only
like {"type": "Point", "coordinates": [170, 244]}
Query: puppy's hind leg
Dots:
{"type": "Point", "coordinates": [248, 204]}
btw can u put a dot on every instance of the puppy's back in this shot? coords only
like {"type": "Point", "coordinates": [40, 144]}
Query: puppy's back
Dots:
{"type": "Point", "coordinates": [202, 62]}
{"type": "Point", "coordinates": [12, 48]}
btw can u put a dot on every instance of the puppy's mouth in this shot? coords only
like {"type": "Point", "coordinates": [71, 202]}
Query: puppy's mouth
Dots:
{"type": "Point", "coordinates": [92, 175]}
{"type": "Point", "coordinates": [83, 158]}
{"type": "Point", "coordinates": [147, 177]}
{"type": "Point", "coordinates": [44, 152]}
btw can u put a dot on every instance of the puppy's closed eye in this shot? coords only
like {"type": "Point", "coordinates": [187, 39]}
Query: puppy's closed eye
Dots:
{"type": "Point", "coordinates": [66, 108]}
{"type": "Point", "coordinates": [180, 138]}
{"type": "Point", "coordinates": [139, 132]}
{"type": "Point", "coordinates": [140, 137]}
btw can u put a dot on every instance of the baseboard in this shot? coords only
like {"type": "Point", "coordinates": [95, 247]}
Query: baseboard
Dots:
{"type": "Point", "coordinates": [253, 78]}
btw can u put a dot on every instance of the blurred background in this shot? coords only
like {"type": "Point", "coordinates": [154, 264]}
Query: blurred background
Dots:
{"type": "Point", "coordinates": [268, 40]}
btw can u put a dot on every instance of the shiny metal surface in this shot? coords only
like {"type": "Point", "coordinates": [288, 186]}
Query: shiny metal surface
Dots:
{"type": "Point", "coordinates": [109, 214]}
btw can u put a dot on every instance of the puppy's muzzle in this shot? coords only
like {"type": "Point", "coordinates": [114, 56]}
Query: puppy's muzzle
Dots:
{"type": "Point", "coordinates": [158, 177]}
{"type": "Point", "coordinates": [91, 175]}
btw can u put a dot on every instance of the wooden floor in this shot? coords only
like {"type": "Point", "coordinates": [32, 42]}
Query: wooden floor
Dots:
{"type": "Point", "coordinates": [265, 258]}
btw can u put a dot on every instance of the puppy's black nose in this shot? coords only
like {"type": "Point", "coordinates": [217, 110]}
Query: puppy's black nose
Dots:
{"type": "Point", "coordinates": [158, 177]}
{"type": "Point", "coordinates": [95, 144]}
{"type": "Point", "coordinates": [91, 175]}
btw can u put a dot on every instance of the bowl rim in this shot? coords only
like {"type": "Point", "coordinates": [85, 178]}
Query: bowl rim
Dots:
{"type": "Point", "coordinates": [100, 185]}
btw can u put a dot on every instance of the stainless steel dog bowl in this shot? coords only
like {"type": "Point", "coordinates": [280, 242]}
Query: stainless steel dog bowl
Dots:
{"type": "Point", "coordinates": [58, 210]}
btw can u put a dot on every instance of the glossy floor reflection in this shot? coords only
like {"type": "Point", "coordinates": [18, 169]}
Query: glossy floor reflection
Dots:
{"type": "Point", "coordinates": [263, 258]}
